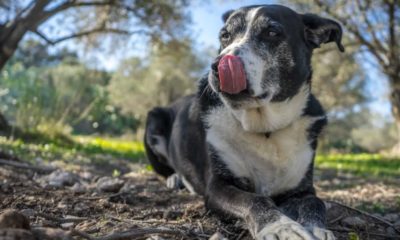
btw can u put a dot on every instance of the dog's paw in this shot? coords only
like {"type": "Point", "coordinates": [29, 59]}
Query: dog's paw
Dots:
{"type": "Point", "coordinates": [174, 181]}
{"type": "Point", "coordinates": [321, 233]}
{"type": "Point", "coordinates": [286, 229]}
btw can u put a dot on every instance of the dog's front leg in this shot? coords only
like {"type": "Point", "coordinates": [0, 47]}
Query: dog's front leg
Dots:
{"type": "Point", "coordinates": [309, 211]}
{"type": "Point", "coordinates": [263, 218]}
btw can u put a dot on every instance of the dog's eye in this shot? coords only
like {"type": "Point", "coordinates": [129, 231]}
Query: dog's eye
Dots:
{"type": "Point", "coordinates": [225, 35]}
{"type": "Point", "coordinates": [272, 34]}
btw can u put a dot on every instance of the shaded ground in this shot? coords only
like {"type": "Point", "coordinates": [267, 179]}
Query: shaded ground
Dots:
{"type": "Point", "coordinates": [143, 202]}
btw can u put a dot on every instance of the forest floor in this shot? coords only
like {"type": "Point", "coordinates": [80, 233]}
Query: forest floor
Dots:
{"type": "Point", "coordinates": [102, 190]}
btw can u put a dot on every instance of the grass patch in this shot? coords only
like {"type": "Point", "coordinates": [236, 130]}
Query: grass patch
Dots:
{"type": "Point", "coordinates": [364, 164]}
{"type": "Point", "coordinates": [84, 150]}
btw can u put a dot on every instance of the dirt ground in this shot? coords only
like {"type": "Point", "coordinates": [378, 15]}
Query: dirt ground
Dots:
{"type": "Point", "coordinates": [88, 203]}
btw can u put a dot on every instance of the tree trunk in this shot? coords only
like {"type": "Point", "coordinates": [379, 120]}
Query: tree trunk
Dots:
{"type": "Point", "coordinates": [4, 126]}
{"type": "Point", "coordinates": [395, 103]}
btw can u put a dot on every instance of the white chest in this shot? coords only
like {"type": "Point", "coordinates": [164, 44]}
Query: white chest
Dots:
{"type": "Point", "coordinates": [273, 164]}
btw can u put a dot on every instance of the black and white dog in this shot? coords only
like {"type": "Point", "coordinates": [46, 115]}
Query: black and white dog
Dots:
{"type": "Point", "coordinates": [246, 141]}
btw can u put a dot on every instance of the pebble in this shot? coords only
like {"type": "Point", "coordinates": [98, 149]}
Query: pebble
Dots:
{"type": "Point", "coordinates": [28, 212]}
{"type": "Point", "coordinates": [354, 221]}
{"type": "Point", "coordinates": [391, 217]}
{"type": "Point", "coordinates": [217, 236]}
{"type": "Point", "coordinates": [108, 184]}
{"type": "Point", "coordinates": [59, 178]}
{"type": "Point", "coordinates": [81, 207]}
{"type": "Point", "coordinates": [78, 188]}
{"type": "Point", "coordinates": [11, 218]}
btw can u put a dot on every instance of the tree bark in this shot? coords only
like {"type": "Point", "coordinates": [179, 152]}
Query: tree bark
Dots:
{"type": "Point", "coordinates": [395, 104]}
{"type": "Point", "coordinates": [4, 126]}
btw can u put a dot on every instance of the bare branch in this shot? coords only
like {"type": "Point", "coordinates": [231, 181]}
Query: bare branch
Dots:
{"type": "Point", "coordinates": [351, 28]}
{"type": "Point", "coordinates": [88, 32]}
{"type": "Point", "coordinates": [29, 6]}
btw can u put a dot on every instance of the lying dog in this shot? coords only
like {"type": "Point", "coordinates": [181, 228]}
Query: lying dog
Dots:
{"type": "Point", "coordinates": [246, 141]}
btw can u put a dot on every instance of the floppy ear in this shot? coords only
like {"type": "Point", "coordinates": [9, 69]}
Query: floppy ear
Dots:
{"type": "Point", "coordinates": [320, 30]}
{"type": "Point", "coordinates": [226, 15]}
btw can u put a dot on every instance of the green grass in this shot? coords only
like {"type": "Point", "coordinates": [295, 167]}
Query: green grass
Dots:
{"type": "Point", "coordinates": [87, 150]}
{"type": "Point", "coordinates": [84, 150]}
{"type": "Point", "coordinates": [364, 164]}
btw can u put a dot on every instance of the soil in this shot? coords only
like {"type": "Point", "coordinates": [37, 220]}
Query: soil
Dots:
{"type": "Point", "coordinates": [143, 208]}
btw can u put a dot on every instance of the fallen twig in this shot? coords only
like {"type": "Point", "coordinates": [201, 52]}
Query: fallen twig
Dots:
{"type": "Point", "coordinates": [60, 220]}
{"type": "Point", "coordinates": [26, 166]}
{"type": "Point", "coordinates": [136, 233]}
{"type": "Point", "coordinates": [81, 234]}
{"type": "Point", "coordinates": [348, 230]}
{"type": "Point", "coordinates": [365, 213]}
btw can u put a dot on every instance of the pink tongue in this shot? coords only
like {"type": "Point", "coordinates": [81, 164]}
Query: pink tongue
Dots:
{"type": "Point", "coordinates": [232, 78]}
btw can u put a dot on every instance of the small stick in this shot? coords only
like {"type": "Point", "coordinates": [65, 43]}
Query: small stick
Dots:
{"type": "Point", "coordinates": [26, 166]}
{"type": "Point", "coordinates": [365, 213]}
{"type": "Point", "coordinates": [135, 233]}
{"type": "Point", "coordinates": [59, 220]}
{"type": "Point", "coordinates": [81, 234]}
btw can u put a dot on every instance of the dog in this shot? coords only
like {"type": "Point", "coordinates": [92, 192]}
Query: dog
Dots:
{"type": "Point", "coordinates": [246, 140]}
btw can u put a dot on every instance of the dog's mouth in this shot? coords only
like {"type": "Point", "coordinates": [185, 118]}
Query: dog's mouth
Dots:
{"type": "Point", "coordinates": [229, 79]}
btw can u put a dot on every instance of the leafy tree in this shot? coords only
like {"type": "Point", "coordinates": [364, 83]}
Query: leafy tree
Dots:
{"type": "Point", "coordinates": [374, 26]}
{"type": "Point", "coordinates": [86, 19]}
{"type": "Point", "coordinates": [170, 72]}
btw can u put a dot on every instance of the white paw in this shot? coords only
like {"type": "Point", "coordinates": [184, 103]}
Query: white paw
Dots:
{"type": "Point", "coordinates": [284, 229]}
{"type": "Point", "coordinates": [174, 181]}
{"type": "Point", "coordinates": [321, 233]}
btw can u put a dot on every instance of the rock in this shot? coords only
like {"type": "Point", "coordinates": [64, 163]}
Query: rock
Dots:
{"type": "Point", "coordinates": [391, 217]}
{"type": "Point", "coordinates": [59, 178]}
{"type": "Point", "coordinates": [51, 234]}
{"type": "Point", "coordinates": [28, 212]}
{"type": "Point", "coordinates": [155, 237]}
{"type": "Point", "coordinates": [16, 234]}
{"type": "Point", "coordinates": [397, 225]}
{"type": "Point", "coordinates": [78, 188]}
{"type": "Point", "coordinates": [108, 184]}
{"type": "Point", "coordinates": [13, 219]}
{"type": "Point", "coordinates": [67, 225]}
{"type": "Point", "coordinates": [217, 236]}
{"type": "Point", "coordinates": [354, 222]}
{"type": "Point", "coordinates": [391, 231]}
{"type": "Point", "coordinates": [80, 207]}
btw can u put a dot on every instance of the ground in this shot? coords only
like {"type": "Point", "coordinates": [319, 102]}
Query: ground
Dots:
{"type": "Point", "coordinates": [102, 189]}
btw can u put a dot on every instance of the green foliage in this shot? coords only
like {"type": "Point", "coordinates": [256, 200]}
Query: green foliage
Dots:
{"type": "Point", "coordinates": [67, 97]}
{"type": "Point", "coordinates": [363, 164]}
{"type": "Point", "coordinates": [169, 72]}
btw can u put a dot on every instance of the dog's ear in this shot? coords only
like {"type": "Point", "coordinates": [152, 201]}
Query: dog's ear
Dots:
{"type": "Point", "coordinates": [226, 15]}
{"type": "Point", "coordinates": [320, 30]}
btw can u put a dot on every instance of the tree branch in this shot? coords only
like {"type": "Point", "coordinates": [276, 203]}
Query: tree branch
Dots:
{"type": "Point", "coordinates": [86, 33]}
{"type": "Point", "coordinates": [350, 27]}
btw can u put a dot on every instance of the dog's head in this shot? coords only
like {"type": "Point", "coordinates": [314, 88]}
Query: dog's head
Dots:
{"type": "Point", "coordinates": [265, 54]}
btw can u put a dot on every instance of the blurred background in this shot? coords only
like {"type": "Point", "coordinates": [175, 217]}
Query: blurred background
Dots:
{"type": "Point", "coordinates": [78, 77]}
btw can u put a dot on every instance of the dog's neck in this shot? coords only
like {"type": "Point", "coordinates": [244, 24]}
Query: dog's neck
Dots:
{"type": "Point", "coordinates": [273, 116]}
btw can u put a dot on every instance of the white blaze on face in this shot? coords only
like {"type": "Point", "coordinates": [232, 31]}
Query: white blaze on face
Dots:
{"type": "Point", "coordinates": [253, 64]}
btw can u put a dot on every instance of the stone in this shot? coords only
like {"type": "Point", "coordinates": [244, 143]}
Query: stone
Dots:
{"type": "Point", "coordinates": [354, 222]}
{"type": "Point", "coordinates": [391, 217]}
{"type": "Point", "coordinates": [28, 212]}
{"type": "Point", "coordinates": [217, 236]}
{"type": "Point", "coordinates": [108, 184]}
{"type": "Point", "coordinates": [59, 178]}
{"type": "Point", "coordinates": [11, 218]}
{"type": "Point", "coordinates": [78, 188]}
